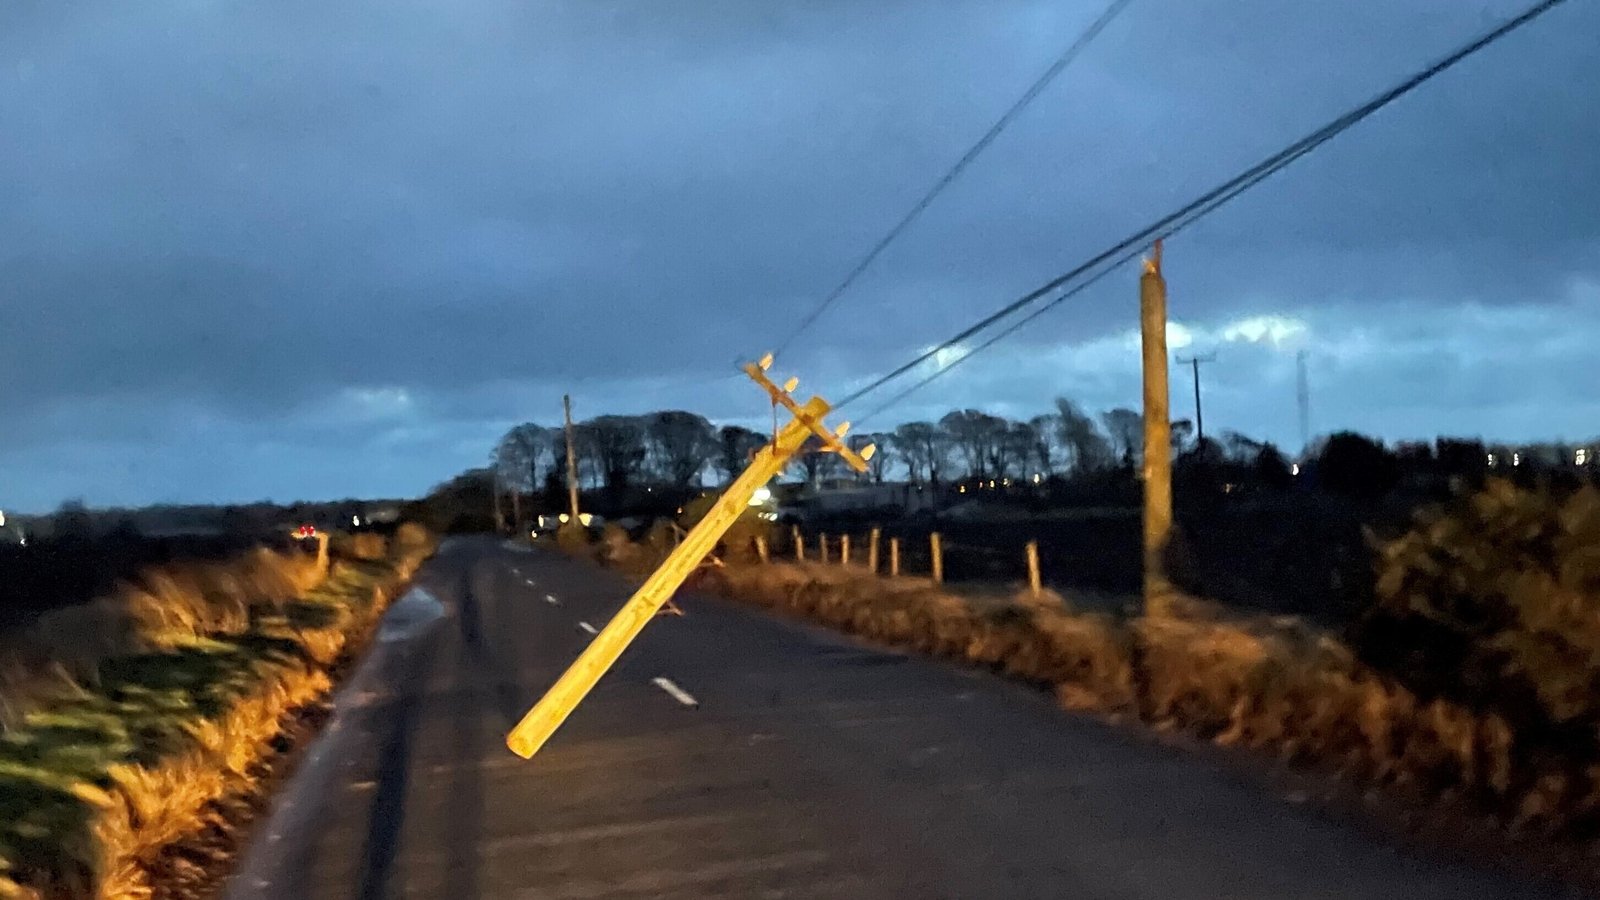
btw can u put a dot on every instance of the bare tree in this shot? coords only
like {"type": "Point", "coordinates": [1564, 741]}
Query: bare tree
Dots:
{"type": "Point", "coordinates": [1016, 449]}
{"type": "Point", "coordinates": [1126, 430]}
{"type": "Point", "coordinates": [975, 434]}
{"type": "Point", "coordinates": [815, 462]}
{"type": "Point", "coordinates": [520, 455]}
{"type": "Point", "coordinates": [735, 445]}
{"type": "Point", "coordinates": [1042, 450]}
{"type": "Point", "coordinates": [1240, 448]}
{"type": "Point", "coordinates": [878, 465]}
{"type": "Point", "coordinates": [1182, 433]}
{"type": "Point", "coordinates": [615, 444]}
{"type": "Point", "coordinates": [681, 444]}
{"type": "Point", "coordinates": [914, 443]}
{"type": "Point", "coordinates": [1088, 448]}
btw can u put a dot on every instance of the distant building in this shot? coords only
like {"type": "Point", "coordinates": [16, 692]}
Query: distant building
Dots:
{"type": "Point", "coordinates": [844, 495]}
{"type": "Point", "coordinates": [380, 515]}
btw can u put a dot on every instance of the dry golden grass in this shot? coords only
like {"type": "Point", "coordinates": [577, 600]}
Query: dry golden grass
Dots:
{"type": "Point", "coordinates": [364, 545]}
{"type": "Point", "coordinates": [195, 672]}
{"type": "Point", "coordinates": [1272, 685]}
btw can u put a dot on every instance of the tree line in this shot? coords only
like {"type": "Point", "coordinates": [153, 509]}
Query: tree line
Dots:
{"type": "Point", "coordinates": [676, 449]}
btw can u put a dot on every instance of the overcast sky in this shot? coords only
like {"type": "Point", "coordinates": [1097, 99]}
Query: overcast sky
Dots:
{"type": "Point", "coordinates": [305, 249]}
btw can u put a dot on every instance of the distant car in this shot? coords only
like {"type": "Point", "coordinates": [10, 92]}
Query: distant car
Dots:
{"type": "Point", "coordinates": [305, 532]}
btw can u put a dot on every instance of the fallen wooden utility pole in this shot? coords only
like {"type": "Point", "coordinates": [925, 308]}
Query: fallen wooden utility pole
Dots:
{"type": "Point", "coordinates": [575, 683]}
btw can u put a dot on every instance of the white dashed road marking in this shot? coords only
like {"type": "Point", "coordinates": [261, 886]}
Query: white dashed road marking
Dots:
{"type": "Point", "coordinates": [675, 692]}
{"type": "Point", "coordinates": [587, 627]}
{"type": "Point", "coordinates": [551, 599]}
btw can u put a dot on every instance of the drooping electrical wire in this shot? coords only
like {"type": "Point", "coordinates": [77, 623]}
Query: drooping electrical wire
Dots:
{"type": "Point", "coordinates": [1199, 207]}
{"type": "Point", "coordinates": [1064, 296]}
{"type": "Point", "coordinates": [1043, 81]}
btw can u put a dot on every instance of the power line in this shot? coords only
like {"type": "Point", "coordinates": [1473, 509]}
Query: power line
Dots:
{"type": "Point", "coordinates": [1201, 206]}
{"type": "Point", "coordinates": [1016, 326]}
{"type": "Point", "coordinates": [1044, 80]}
{"type": "Point", "coordinates": [999, 336]}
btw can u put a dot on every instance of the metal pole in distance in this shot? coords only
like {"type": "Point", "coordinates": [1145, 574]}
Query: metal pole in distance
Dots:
{"type": "Point", "coordinates": [936, 548]}
{"type": "Point", "coordinates": [844, 549]}
{"type": "Point", "coordinates": [894, 557]}
{"type": "Point", "coordinates": [872, 549]}
{"type": "Point", "coordinates": [1157, 433]}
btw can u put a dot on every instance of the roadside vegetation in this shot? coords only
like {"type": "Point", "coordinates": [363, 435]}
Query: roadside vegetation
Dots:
{"type": "Point", "coordinates": [129, 717]}
{"type": "Point", "coordinates": [1471, 673]}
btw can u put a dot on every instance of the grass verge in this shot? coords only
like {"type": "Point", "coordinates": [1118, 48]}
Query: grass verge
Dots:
{"type": "Point", "coordinates": [165, 703]}
{"type": "Point", "coordinates": [1275, 685]}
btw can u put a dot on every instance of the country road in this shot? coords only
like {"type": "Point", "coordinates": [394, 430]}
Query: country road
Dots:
{"type": "Point", "coordinates": [734, 755]}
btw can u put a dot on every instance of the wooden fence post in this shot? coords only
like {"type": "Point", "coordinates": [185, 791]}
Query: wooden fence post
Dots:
{"type": "Point", "coordinates": [894, 557]}
{"type": "Point", "coordinates": [761, 549]}
{"type": "Point", "coordinates": [822, 548]}
{"type": "Point", "coordinates": [872, 550]}
{"type": "Point", "coordinates": [799, 544]}
{"type": "Point", "coordinates": [1033, 568]}
{"type": "Point", "coordinates": [936, 549]}
{"type": "Point", "coordinates": [844, 550]}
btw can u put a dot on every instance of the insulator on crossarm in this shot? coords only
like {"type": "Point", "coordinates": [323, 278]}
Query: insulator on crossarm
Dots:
{"type": "Point", "coordinates": [790, 385]}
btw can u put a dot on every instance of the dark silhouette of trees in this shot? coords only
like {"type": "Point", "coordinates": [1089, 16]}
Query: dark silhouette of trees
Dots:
{"type": "Point", "coordinates": [1271, 469]}
{"type": "Point", "coordinates": [923, 448]}
{"type": "Point", "coordinates": [735, 445]}
{"type": "Point", "coordinates": [1357, 466]}
{"type": "Point", "coordinates": [681, 444]}
{"type": "Point", "coordinates": [974, 434]}
{"type": "Point", "coordinates": [1125, 428]}
{"type": "Point", "coordinates": [462, 504]}
{"type": "Point", "coordinates": [1087, 449]}
{"type": "Point", "coordinates": [1042, 454]}
{"type": "Point", "coordinates": [520, 454]}
{"type": "Point", "coordinates": [616, 446]}
{"type": "Point", "coordinates": [72, 521]}
{"type": "Point", "coordinates": [1462, 458]}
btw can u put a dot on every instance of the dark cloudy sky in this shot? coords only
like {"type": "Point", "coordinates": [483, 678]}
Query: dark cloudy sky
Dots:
{"type": "Point", "coordinates": [307, 249]}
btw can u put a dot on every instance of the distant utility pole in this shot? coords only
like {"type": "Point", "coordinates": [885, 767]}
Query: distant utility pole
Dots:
{"type": "Point", "coordinates": [1157, 433]}
{"type": "Point", "coordinates": [499, 509]}
{"type": "Point", "coordinates": [1303, 394]}
{"type": "Point", "coordinates": [1199, 420]}
{"type": "Point", "coordinates": [572, 458]}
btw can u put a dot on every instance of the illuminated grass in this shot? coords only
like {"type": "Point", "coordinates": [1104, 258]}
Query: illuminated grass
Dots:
{"type": "Point", "coordinates": [97, 779]}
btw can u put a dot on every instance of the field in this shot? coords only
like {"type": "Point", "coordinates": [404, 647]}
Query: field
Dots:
{"type": "Point", "coordinates": [50, 574]}
{"type": "Point", "coordinates": [1289, 554]}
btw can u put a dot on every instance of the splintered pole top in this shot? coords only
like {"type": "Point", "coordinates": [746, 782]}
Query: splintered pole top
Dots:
{"type": "Point", "coordinates": [830, 439]}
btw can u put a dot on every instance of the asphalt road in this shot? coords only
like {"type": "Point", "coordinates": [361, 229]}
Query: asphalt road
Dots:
{"type": "Point", "coordinates": [810, 766]}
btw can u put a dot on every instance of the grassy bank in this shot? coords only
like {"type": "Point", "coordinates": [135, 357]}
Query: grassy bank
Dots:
{"type": "Point", "coordinates": [128, 715]}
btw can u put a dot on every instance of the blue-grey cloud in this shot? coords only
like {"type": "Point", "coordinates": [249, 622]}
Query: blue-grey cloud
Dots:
{"type": "Point", "coordinates": [233, 238]}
